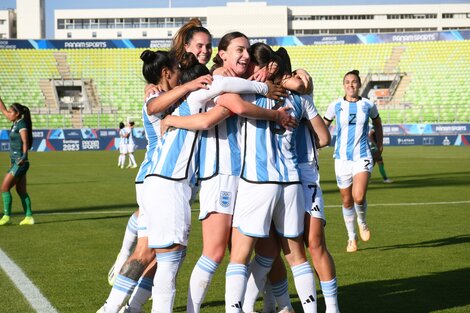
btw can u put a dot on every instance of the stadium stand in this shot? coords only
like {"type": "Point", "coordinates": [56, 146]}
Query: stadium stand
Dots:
{"type": "Point", "coordinates": [433, 86]}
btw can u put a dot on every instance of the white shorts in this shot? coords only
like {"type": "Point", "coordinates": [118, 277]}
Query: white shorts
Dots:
{"type": "Point", "coordinates": [258, 205]}
{"type": "Point", "coordinates": [142, 223]}
{"type": "Point", "coordinates": [345, 170]}
{"type": "Point", "coordinates": [313, 193]}
{"type": "Point", "coordinates": [130, 148]}
{"type": "Point", "coordinates": [218, 194]}
{"type": "Point", "coordinates": [166, 204]}
{"type": "Point", "coordinates": [122, 148]}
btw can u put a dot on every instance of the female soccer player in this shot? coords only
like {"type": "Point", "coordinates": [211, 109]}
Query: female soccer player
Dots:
{"type": "Point", "coordinates": [219, 165]}
{"type": "Point", "coordinates": [314, 237]}
{"type": "Point", "coordinates": [353, 158]}
{"type": "Point", "coordinates": [122, 145]}
{"type": "Point", "coordinates": [130, 144]}
{"type": "Point", "coordinates": [270, 191]}
{"type": "Point", "coordinates": [21, 140]}
{"type": "Point", "coordinates": [160, 68]}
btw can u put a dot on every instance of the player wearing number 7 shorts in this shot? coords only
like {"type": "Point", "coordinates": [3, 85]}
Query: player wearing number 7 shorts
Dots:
{"type": "Point", "coordinates": [352, 154]}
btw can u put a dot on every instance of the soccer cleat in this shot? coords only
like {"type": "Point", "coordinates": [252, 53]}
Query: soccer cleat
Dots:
{"type": "Point", "coordinates": [364, 232]}
{"type": "Point", "coordinates": [287, 310]}
{"type": "Point", "coordinates": [5, 220]}
{"type": "Point", "coordinates": [352, 246]}
{"type": "Point", "coordinates": [134, 166]}
{"type": "Point", "coordinates": [388, 181]}
{"type": "Point", "coordinates": [128, 309]}
{"type": "Point", "coordinates": [28, 220]}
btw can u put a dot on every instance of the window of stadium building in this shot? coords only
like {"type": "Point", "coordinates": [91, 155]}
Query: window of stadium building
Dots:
{"type": "Point", "coordinates": [104, 23]}
{"type": "Point", "coordinates": [332, 17]}
{"type": "Point", "coordinates": [411, 16]}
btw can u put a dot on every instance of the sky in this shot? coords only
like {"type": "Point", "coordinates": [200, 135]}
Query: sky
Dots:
{"type": "Point", "coordinates": [52, 5]}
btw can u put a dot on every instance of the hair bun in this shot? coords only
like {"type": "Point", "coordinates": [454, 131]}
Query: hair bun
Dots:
{"type": "Point", "coordinates": [148, 56]}
{"type": "Point", "coordinates": [356, 72]}
{"type": "Point", "coordinates": [188, 60]}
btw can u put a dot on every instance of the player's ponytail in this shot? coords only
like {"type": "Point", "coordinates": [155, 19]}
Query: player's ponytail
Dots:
{"type": "Point", "coordinates": [154, 63]}
{"type": "Point", "coordinates": [184, 35]}
{"type": "Point", "coordinates": [26, 115]}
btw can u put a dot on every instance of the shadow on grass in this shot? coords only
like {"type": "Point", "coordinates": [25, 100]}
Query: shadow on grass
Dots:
{"type": "Point", "coordinates": [81, 219]}
{"type": "Point", "coordinates": [90, 208]}
{"type": "Point", "coordinates": [454, 240]}
{"type": "Point", "coordinates": [423, 294]}
{"type": "Point", "coordinates": [99, 209]}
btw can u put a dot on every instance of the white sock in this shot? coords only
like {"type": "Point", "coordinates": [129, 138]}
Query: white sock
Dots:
{"type": "Point", "coordinates": [349, 216]}
{"type": "Point", "coordinates": [132, 160]}
{"type": "Point", "coordinates": [121, 290]}
{"type": "Point", "coordinates": [199, 283]}
{"type": "Point", "coordinates": [258, 271]}
{"type": "Point", "coordinates": [128, 243]}
{"type": "Point", "coordinates": [304, 280]}
{"type": "Point", "coordinates": [269, 301]}
{"type": "Point", "coordinates": [121, 160]}
{"type": "Point", "coordinates": [141, 294]}
{"type": "Point", "coordinates": [281, 292]}
{"type": "Point", "coordinates": [235, 283]}
{"type": "Point", "coordinates": [361, 210]}
{"type": "Point", "coordinates": [164, 282]}
{"type": "Point", "coordinates": [330, 293]}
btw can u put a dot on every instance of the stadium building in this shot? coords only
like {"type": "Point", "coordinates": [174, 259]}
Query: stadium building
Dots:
{"type": "Point", "coordinates": [414, 59]}
{"type": "Point", "coordinates": [252, 18]}
{"type": "Point", "coordinates": [259, 19]}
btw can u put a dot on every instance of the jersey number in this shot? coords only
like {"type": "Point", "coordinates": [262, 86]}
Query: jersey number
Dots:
{"type": "Point", "coordinates": [352, 119]}
{"type": "Point", "coordinates": [314, 186]}
{"type": "Point", "coordinates": [366, 166]}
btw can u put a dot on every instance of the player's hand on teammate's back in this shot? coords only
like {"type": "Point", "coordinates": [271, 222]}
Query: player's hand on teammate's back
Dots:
{"type": "Point", "coordinates": [151, 89]}
{"type": "Point", "coordinates": [285, 119]}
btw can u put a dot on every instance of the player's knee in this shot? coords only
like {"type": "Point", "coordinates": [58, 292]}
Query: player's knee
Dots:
{"type": "Point", "coordinates": [216, 255]}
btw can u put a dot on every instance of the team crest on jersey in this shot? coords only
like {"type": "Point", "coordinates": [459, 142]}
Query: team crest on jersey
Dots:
{"type": "Point", "coordinates": [225, 198]}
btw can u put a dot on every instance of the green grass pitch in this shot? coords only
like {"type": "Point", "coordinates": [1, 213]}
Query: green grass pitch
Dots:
{"type": "Point", "coordinates": [418, 259]}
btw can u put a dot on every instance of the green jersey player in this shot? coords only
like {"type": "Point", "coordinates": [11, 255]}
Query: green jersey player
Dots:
{"type": "Point", "coordinates": [21, 139]}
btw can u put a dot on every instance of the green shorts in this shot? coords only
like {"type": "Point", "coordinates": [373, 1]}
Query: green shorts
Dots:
{"type": "Point", "coordinates": [19, 170]}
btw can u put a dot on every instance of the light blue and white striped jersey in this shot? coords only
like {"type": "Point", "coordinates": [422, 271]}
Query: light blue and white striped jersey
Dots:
{"type": "Point", "coordinates": [352, 127]}
{"type": "Point", "coordinates": [123, 139]}
{"type": "Point", "coordinates": [305, 142]}
{"type": "Point", "coordinates": [219, 151]}
{"type": "Point", "coordinates": [152, 134]}
{"type": "Point", "coordinates": [269, 152]}
{"type": "Point", "coordinates": [176, 160]}
{"type": "Point", "coordinates": [130, 139]}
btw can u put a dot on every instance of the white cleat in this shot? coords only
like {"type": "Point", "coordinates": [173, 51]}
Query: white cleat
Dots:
{"type": "Point", "coordinates": [364, 232]}
{"type": "Point", "coordinates": [352, 246]}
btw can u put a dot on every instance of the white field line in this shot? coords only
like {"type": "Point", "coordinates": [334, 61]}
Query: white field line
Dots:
{"type": "Point", "coordinates": [327, 206]}
{"type": "Point", "coordinates": [25, 286]}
